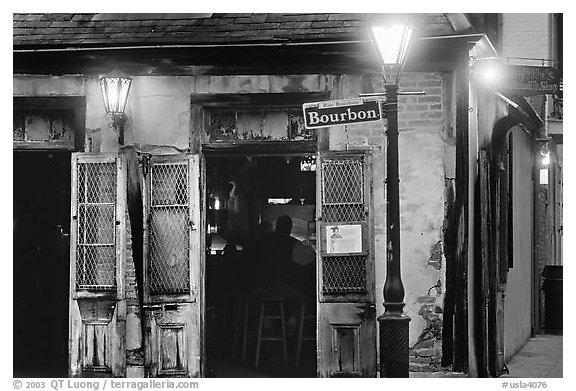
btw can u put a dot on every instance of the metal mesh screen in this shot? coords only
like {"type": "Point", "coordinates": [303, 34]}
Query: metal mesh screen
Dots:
{"type": "Point", "coordinates": [344, 274]}
{"type": "Point", "coordinates": [169, 229]}
{"type": "Point", "coordinates": [96, 247]}
{"type": "Point", "coordinates": [343, 189]}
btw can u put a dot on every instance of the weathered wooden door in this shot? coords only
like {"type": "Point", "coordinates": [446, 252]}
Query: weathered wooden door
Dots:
{"type": "Point", "coordinates": [97, 241]}
{"type": "Point", "coordinates": [486, 252]}
{"type": "Point", "coordinates": [345, 266]}
{"type": "Point", "coordinates": [498, 266]}
{"type": "Point", "coordinates": [172, 256]}
{"type": "Point", "coordinates": [494, 251]}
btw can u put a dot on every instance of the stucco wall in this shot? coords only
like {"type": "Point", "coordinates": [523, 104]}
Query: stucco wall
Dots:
{"type": "Point", "coordinates": [527, 36]}
{"type": "Point", "coordinates": [518, 300]}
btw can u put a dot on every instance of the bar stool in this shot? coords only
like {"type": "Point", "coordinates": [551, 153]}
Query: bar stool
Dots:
{"type": "Point", "coordinates": [243, 305]}
{"type": "Point", "coordinates": [267, 307]}
{"type": "Point", "coordinates": [305, 316]}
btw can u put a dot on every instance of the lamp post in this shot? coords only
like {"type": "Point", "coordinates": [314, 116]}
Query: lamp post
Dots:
{"type": "Point", "coordinates": [391, 43]}
{"type": "Point", "coordinates": [115, 87]}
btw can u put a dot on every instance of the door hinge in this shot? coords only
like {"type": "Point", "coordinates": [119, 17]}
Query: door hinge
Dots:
{"type": "Point", "coordinates": [144, 162]}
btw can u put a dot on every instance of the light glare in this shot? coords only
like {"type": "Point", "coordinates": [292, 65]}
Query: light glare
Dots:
{"type": "Point", "coordinates": [546, 158]}
{"type": "Point", "coordinates": [489, 73]}
{"type": "Point", "coordinates": [392, 42]}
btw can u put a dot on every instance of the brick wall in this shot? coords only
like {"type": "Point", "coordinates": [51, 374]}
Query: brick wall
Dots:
{"type": "Point", "coordinates": [526, 35]}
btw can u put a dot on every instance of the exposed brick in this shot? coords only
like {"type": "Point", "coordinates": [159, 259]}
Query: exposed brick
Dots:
{"type": "Point", "coordinates": [421, 360]}
{"type": "Point", "coordinates": [432, 114]}
{"type": "Point", "coordinates": [429, 83]}
{"type": "Point", "coordinates": [430, 99]}
{"type": "Point", "coordinates": [416, 107]}
{"type": "Point", "coordinates": [425, 122]}
{"type": "Point", "coordinates": [434, 91]}
{"type": "Point", "coordinates": [412, 115]}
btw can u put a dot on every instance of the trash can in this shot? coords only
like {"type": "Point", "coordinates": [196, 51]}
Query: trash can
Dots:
{"type": "Point", "coordinates": [552, 286]}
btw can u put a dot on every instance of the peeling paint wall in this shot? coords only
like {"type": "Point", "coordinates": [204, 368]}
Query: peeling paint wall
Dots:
{"type": "Point", "coordinates": [424, 146]}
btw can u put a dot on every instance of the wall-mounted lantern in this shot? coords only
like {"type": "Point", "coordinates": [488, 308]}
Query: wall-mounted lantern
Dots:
{"type": "Point", "coordinates": [544, 159]}
{"type": "Point", "coordinates": [115, 88]}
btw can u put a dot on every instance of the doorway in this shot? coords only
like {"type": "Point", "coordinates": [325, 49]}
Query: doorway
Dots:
{"type": "Point", "coordinates": [41, 223]}
{"type": "Point", "coordinates": [260, 289]}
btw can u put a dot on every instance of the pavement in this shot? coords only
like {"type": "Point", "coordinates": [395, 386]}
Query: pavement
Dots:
{"type": "Point", "coordinates": [541, 357]}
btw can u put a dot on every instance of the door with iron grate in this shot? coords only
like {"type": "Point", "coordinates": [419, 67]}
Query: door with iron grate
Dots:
{"type": "Point", "coordinates": [172, 253]}
{"type": "Point", "coordinates": [346, 308]}
{"type": "Point", "coordinates": [97, 240]}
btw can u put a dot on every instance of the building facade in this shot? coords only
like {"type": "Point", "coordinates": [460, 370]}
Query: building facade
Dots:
{"type": "Point", "coordinates": [214, 119]}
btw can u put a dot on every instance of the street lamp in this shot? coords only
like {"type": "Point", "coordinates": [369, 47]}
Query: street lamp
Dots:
{"type": "Point", "coordinates": [391, 44]}
{"type": "Point", "coordinates": [115, 87]}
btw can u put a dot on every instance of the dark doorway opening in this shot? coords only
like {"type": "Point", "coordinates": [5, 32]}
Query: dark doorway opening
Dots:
{"type": "Point", "coordinates": [245, 196]}
{"type": "Point", "coordinates": [41, 225]}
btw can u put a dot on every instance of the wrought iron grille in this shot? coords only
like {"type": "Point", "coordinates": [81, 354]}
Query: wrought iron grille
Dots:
{"type": "Point", "coordinates": [169, 229]}
{"type": "Point", "coordinates": [344, 274]}
{"type": "Point", "coordinates": [343, 189]}
{"type": "Point", "coordinates": [558, 104]}
{"type": "Point", "coordinates": [96, 246]}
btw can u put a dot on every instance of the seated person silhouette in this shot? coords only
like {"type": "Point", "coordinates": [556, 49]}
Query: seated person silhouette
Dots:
{"type": "Point", "coordinates": [286, 264]}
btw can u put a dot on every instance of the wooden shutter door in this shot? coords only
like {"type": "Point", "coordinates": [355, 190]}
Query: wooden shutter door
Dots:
{"type": "Point", "coordinates": [345, 265]}
{"type": "Point", "coordinates": [172, 266]}
{"type": "Point", "coordinates": [97, 301]}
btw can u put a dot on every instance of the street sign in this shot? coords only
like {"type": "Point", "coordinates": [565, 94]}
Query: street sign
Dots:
{"type": "Point", "coordinates": [341, 112]}
{"type": "Point", "coordinates": [522, 80]}
{"type": "Point", "coordinates": [531, 80]}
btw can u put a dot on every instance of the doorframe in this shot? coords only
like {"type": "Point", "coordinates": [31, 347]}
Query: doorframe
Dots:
{"type": "Point", "coordinates": [76, 105]}
{"type": "Point", "coordinates": [229, 150]}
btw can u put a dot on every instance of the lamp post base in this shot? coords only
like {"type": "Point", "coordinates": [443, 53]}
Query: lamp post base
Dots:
{"type": "Point", "coordinates": [394, 360]}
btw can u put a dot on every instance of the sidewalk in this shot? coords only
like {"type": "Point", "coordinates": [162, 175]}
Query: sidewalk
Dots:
{"type": "Point", "coordinates": [541, 357]}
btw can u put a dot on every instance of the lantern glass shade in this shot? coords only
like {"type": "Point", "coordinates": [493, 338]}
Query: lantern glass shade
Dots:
{"type": "Point", "coordinates": [392, 43]}
{"type": "Point", "coordinates": [115, 89]}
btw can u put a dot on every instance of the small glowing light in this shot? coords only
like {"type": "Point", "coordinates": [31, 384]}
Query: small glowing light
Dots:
{"type": "Point", "coordinates": [545, 158]}
{"type": "Point", "coordinates": [489, 72]}
{"type": "Point", "coordinates": [278, 201]}
{"type": "Point", "coordinates": [543, 176]}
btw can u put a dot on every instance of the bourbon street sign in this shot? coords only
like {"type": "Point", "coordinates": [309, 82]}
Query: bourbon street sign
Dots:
{"type": "Point", "coordinates": [341, 112]}
{"type": "Point", "coordinates": [531, 80]}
